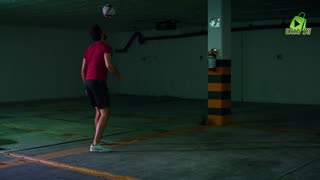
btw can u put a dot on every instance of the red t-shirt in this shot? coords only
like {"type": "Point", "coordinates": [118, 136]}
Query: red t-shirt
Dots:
{"type": "Point", "coordinates": [95, 65]}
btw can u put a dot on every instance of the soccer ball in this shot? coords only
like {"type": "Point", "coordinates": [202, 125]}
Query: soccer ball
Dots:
{"type": "Point", "coordinates": [108, 10]}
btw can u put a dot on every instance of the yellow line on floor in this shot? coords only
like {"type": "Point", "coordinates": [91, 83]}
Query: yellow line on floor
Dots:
{"type": "Point", "coordinates": [164, 134]}
{"type": "Point", "coordinates": [63, 153]}
{"type": "Point", "coordinates": [73, 168]}
{"type": "Point", "coordinates": [14, 162]}
{"type": "Point", "coordinates": [80, 150]}
{"type": "Point", "coordinates": [43, 158]}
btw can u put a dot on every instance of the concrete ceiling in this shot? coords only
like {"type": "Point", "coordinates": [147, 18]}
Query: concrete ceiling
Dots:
{"type": "Point", "coordinates": [141, 14]}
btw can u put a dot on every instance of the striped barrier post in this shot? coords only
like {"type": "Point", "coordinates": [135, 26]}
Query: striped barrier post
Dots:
{"type": "Point", "coordinates": [219, 93]}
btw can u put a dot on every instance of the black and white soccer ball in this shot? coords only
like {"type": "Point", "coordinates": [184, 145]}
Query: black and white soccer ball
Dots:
{"type": "Point", "coordinates": [108, 10]}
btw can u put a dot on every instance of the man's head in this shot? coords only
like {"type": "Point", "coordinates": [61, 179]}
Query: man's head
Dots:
{"type": "Point", "coordinates": [97, 34]}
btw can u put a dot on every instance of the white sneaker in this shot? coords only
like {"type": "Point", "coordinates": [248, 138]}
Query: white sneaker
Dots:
{"type": "Point", "coordinates": [99, 148]}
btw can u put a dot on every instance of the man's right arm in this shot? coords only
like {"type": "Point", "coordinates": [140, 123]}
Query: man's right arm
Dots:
{"type": "Point", "coordinates": [83, 69]}
{"type": "Point", "coordinates": [111, 67]}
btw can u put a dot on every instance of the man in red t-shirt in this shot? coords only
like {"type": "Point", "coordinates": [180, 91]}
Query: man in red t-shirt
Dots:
{"type": "Point", "coordinates": [95, 66]}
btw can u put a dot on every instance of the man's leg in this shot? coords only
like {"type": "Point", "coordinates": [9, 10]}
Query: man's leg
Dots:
{"type": "Point", "coordinates": [90, 93]}
{"type": "Point", "coordinates": [101, 125]}
{"type": "Point", "coordinates": [96, 119]}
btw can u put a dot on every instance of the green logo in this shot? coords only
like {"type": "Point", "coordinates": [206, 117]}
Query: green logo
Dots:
{"type": "Point", "coordinates": [299, 22]}
{"type": "Point", "coordinates": [298, 26]}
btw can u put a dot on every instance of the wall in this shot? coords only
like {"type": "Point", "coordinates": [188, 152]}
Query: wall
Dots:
{"type": "Point", "coordinates": [171, 67]}
{"type": "Point", "coordinates": [276, 68]}
{"type": "Point", "coordinates": [38, 63]}
{"type": "Point", "coordinates": [236, 66]}
{"type": "Point", "coordinates": [267, 66]}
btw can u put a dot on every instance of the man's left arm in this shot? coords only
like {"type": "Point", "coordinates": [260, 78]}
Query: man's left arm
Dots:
{"type": "Point", "coordinates": [83, 69]}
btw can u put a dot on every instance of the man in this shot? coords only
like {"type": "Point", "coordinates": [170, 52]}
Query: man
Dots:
{"type": "Point", "coordinates": [95, 66]}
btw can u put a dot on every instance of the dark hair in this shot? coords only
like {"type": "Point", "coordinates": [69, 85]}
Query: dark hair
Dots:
{"type": "Point", "coordinates": [96, 33]}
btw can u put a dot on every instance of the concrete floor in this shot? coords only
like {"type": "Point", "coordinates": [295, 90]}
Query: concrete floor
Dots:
{"type": "Point", "coordinates": [159, 139]}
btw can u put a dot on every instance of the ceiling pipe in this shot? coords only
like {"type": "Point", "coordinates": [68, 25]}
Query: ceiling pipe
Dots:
{"type": "Point", "coordinates": [142, 39]}
{"type": "Point", "coordinates": [273, 26]}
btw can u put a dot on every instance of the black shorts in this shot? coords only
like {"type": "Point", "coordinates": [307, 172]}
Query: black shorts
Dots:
{"type": "Point", "coordinates": [98, 93]}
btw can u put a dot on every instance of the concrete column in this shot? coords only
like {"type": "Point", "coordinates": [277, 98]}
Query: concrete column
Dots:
{"type": "Point", "coordinates": [219, 80]}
